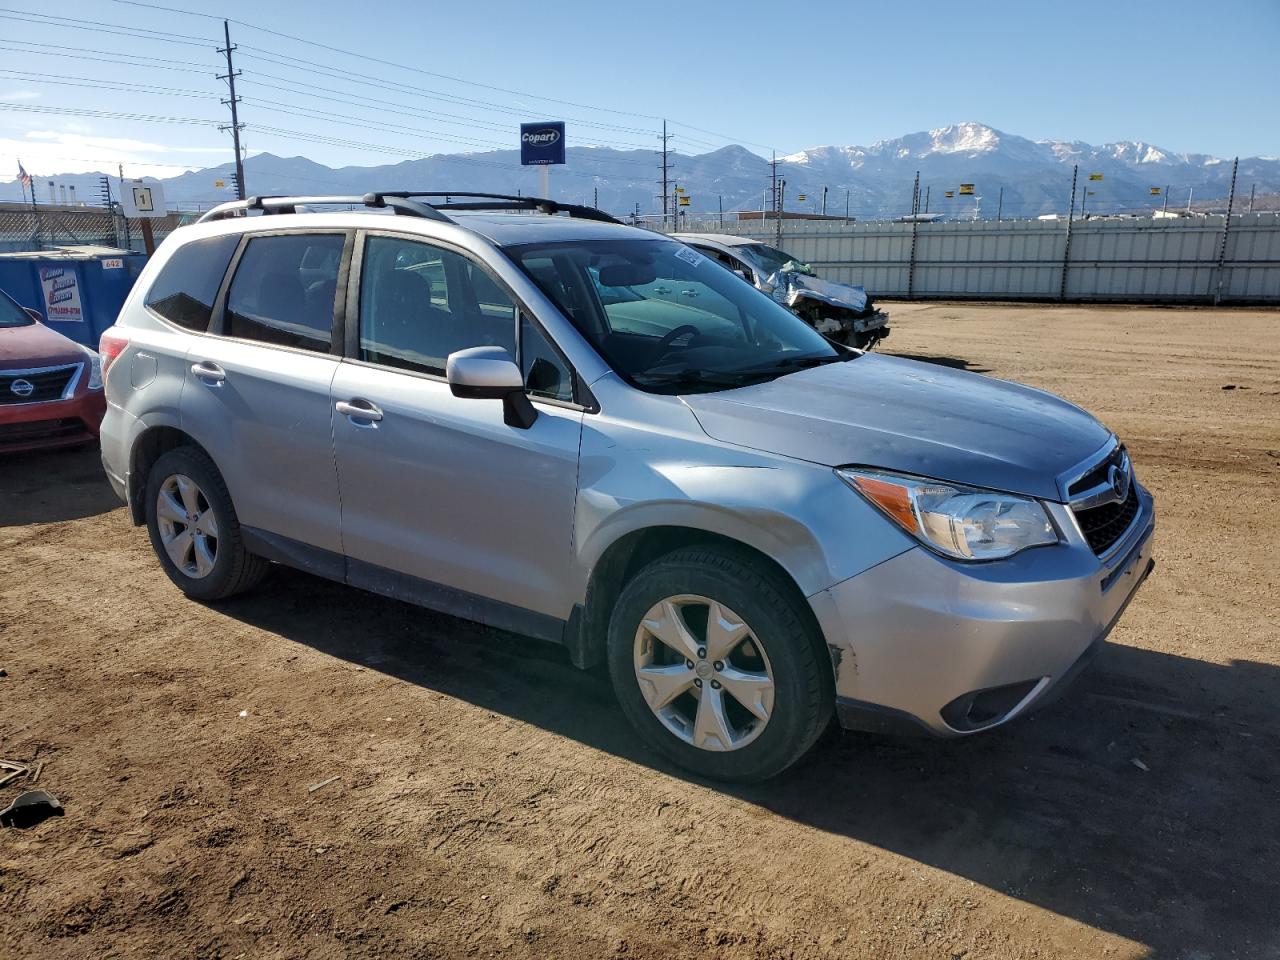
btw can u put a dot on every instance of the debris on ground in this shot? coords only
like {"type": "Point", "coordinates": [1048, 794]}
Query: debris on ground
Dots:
{"type": "Point", "coordinates": [1140, 765]}
{"type": "Point", "coordinates": [29, 809]}
{"type": "Point", "coordinates": [323, 783]}
{"type": "Point", "coordinates": [11, 770]}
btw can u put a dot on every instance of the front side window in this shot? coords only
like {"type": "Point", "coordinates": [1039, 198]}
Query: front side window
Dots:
{"type": "Point", "coordinates": [545, 372]}
{"type": "Point", "coordinates": [669, 319]}
{"type": "Point", "coordinates": [284, 290]}
{"type": "Point", "coordinates": [184, 290]}
{"type": "Point", "coordinates": [419, 303]}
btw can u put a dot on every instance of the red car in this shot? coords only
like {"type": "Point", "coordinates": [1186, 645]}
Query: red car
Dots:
{"type": "Point", "coordinates": [50, 386]}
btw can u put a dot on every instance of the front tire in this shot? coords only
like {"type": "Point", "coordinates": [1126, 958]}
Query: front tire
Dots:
{"type": "Point", "coordinates": [194, 530]}
{"type": "Point", "coordinates": [718, 666]}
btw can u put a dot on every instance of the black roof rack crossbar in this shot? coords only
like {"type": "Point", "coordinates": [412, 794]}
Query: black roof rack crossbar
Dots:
{"type": "Point", "coordinates": [408, 203]}
{"type": "Point", "coordinates": [502, 201]}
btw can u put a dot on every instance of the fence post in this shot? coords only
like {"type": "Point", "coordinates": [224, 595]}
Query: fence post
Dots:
{"type": "Point", "coordinates": [1066, 248]}
{"type": "Point", "coordinates": [1226, 229]}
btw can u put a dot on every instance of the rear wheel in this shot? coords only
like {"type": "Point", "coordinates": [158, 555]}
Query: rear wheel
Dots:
{"type": "Point", "coordinates": [194, 530]}
{"type": "Point", "coordinates": [717, 666]}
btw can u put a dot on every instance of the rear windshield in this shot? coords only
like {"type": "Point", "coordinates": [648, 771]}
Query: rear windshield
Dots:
{"type": "Point", "coordinates": [12, 315]}
{"type": "Point", "coordinates": [668, 319]}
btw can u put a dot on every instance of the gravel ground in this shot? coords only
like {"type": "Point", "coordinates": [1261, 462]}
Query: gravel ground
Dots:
{"type": "Point", "coordinates": [490, 800]}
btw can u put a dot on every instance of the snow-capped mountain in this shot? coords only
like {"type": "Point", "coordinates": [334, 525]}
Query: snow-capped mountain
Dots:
{"type": "Point", "coordinates": [1035, 176]}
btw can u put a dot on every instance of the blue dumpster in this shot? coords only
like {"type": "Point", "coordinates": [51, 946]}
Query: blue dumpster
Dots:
{"type": "Point", "coordinates": [78, 290]}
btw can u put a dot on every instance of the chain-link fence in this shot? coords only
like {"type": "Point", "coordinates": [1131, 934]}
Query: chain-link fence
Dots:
{"type": "Point", "coordinates": [46, 227]}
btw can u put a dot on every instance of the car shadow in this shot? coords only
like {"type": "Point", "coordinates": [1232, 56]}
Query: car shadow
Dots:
{"type": "Point", "coordinates": [1144, 803]}
{"type": "Point", "coordinates": [956, 363]}
{"type": "Point", "coordinates": [53, 486]}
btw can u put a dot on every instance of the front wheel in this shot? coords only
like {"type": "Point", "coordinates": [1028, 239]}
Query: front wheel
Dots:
{"type": "Point", "coordinates": [718, 666]}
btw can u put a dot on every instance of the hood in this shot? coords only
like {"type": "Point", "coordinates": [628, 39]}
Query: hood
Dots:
{"type": "Point", "coordinates": [35, 345]}
{"type": "Point", "coordinates": [910, 417]}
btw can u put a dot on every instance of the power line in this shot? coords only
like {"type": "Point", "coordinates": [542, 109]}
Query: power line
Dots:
{"type": "Point", "coordinates": [97, 26]}
{"type": "Point", "coordinates": [442, 76]}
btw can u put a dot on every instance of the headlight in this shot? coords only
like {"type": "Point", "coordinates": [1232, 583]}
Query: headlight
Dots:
{"type": "Point", "coordinates": [95, 369]}
{"type": "Point", "coordinates": [961, 522]}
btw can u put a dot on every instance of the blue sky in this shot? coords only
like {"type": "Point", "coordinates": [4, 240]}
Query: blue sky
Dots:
{"type": "Point", "coordinates": [1185, 76]}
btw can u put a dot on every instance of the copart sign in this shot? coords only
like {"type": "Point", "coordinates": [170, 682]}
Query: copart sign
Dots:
{"type": "Point", "coordinates": [541, 143]}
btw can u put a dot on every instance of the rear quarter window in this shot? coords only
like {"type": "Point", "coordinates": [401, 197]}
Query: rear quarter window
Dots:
{"type": "Point", "coordinates": [184, 290]}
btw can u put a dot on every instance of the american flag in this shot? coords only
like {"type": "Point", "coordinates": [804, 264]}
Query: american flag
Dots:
{"type": "Point", "coordinates": [23, 177]}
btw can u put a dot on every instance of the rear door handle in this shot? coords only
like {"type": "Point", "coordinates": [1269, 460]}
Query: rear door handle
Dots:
{"type": "Point", "coordinates": [362, 412]}
{"type": "Point", "coordinates": [209, 372]}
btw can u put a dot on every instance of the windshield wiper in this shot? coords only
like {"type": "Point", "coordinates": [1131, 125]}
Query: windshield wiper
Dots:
{"type": "Point", "coordinates": [694, 376]}
{"type": "Point", "coordinates": [787, 364]}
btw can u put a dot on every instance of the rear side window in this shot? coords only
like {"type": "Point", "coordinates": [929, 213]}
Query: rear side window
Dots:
{"type": "Point", "coordinates": [284, 290]}
{"type": "Point", "coordinates": [184, 291]}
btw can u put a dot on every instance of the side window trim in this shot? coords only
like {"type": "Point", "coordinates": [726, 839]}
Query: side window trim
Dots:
{"type": "Point", "coordinates": [351, 319]}
{"type": "Point", "coordinates": [217, 323]}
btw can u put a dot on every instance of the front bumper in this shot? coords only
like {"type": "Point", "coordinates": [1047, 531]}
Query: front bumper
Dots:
{"type": "Point", "coordinates": [52, 423]}
{"type": "Point", "coordinates": [923, 644]}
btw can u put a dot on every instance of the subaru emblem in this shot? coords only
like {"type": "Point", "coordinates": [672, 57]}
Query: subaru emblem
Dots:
{"type": "Point", "coordinates": [1119, 480]}
{"type": "Point", "coordinates": [22, 388]}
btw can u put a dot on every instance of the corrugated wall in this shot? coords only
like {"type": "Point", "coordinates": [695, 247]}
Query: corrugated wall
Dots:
{"type": "Point", "coordinates": [1164, 260]}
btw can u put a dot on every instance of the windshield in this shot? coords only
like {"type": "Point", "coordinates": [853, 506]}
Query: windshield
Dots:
{"type": "Point", "coordinates": [668, 319]}
{"type": "Point", "coordinates": [769, 259]}
{"type": "Point", "coordinates": [12, 315]}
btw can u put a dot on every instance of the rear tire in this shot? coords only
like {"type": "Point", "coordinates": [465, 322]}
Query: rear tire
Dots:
{"type": "Point", "coordinates": [194, 530]}
{"type": "Point", "coordinates": [743, 715]}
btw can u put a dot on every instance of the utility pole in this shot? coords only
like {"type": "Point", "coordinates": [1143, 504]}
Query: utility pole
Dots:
{"type": "Point", "coordinates": [1252, 188]}
{"type": "Point", "coordinates": [773, 182]}
{"type": "Point", "coordinates": [928, 190]}
{"type": "Point", "coordinates": [782, 202]}
{"type": "Point", "coordinates": [1165, 206]}
{"type": "Point", "coordinates": [595, 193]}
{"type": "Point", "coordinates": [846, 204]}
{"type": "Point", "coordinates": [666, 172]}
{"type": "Point", "coordinates": [1226, 231]}
{"type": "Point", "coordinates": [1000, 206]}
{"type": "Point", "coordinates": [720, 206]}
{"type": "Point", "coordinates": [236, 125]}
{"type": "Point", "coordinates": [1066, 248]}
{"type": "Point", "coordinates": [824, 201]}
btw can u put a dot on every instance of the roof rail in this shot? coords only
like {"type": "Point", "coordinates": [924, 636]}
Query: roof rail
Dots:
{"type": "Point", "coordinates": [270, 205]}
{"type": "Point", "coordinates": [407, 203]}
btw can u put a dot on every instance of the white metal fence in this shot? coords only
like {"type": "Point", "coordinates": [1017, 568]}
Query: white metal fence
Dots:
{"type": "Point", "coordinates": [1152, 260]}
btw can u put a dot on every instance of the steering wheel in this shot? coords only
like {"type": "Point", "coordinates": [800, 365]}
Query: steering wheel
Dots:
{"type": "Point", "coordinates": [671, 336]}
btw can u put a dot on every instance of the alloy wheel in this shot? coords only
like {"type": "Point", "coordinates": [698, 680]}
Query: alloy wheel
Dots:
{"type": "Point", "coordinates": [188, 527]}
{"type": "Point", "coordinates": [703, 673]}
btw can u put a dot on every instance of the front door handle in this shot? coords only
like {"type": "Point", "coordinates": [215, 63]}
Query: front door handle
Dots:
{"type": "Point", "coordinates": [209, 372]}
{"type": "Point", "coordinates": [362, 412]}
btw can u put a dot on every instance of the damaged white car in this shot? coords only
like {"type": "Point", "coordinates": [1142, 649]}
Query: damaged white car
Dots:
{"type": "Point", "coordinates": [842, 311]}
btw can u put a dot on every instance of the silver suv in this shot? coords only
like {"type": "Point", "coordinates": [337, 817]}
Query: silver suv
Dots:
{"type": "Point", "coordinates": [480, 408]}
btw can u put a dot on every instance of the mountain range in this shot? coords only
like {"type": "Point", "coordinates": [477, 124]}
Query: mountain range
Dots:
{"type": "Point", "coordinates": [1034, 175]}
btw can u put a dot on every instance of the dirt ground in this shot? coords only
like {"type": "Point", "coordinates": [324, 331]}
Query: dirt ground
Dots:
{"type": "Point", "coordinates": [490, 800]}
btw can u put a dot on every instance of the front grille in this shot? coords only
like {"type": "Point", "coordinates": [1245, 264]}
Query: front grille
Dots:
{"type": "Point", "coordinates": [38, 430]}
{"type": "Point", "coordinates": [45, 385]}
{"type": "Point", "coordinates": [1098, 474]}
{"type": "Point", "coordinates": [1103, 526]}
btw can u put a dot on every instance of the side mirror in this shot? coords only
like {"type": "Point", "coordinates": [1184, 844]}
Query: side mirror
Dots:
{"type": "Point", "coordinates": [34, 314]}
{"type": "Point", "coordinates": [489, 373]}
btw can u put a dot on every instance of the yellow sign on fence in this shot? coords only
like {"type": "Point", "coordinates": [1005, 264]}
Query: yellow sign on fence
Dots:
{"type": "Point", "coordinates": [1155, 191]}
{"type": "Point", "coordinates": [951, 193]}
{"type": "Point", "coordinates": [684, 201]}
{"type": "Point", "coordinates": [1095, 176]}
{"type": "Point", "coordinates": [966, 189]}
